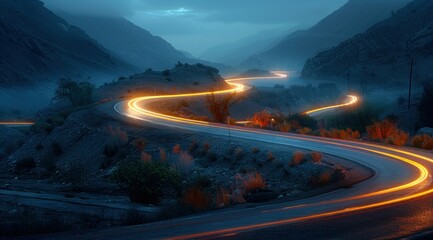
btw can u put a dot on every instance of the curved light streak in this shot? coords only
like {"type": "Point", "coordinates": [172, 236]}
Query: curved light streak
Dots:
{"type": "Point", "coordinates": [137, 111]}
{"type": "Point", "coordinates": [353, 100]}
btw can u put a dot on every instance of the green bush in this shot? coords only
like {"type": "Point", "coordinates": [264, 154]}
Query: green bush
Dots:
{"type": "Point", "coordinates": [146, 182]}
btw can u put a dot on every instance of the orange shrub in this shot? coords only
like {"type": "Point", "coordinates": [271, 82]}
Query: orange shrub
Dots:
{"type": "Point", "coordinates": [320, 179]}
{"type": "Point", "coordinates": [398, 138]}
{"type": "Point", "coordinates": [261, 119]}
{"type": "Point", "coordinates": [177, 149]}
{"type": "Point", "coordinates": [304, 131]}
{"type": "Point", "coordinates": [423, 141]}
{"type": "Point", "coordinates": [297, 158]}
{"type": "Point", "coordinates": [316, 156]}
{"type": "Point", "coordinates": [253, 181]}
{"type": "Point", "coordinates": [381, 130]}
{"type": "Point", "coordinates": [284, 127]}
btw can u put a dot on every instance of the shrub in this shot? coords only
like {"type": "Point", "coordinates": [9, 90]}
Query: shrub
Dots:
{"type": "Point", "coordinates": [145, 157]}
{"type": "Point", "coordinates": [304, 131]}
{"type": "Point", "coordinates": [320, 179]}
{"type": "Point", "coordinates": [146, 182]}
{"type": "Point", "coordinates": [297, 158]}
{"type": "Point", "coordinates": [219, 108]}
{"type": "Point", "coordinates": [381, 130]}
{"type": "Point", "coordinates": [398, 138]}
{"type": "Point", "coordinates": [270, 157]}
{"type": "Point", "coordinates": [177, 149]}
{"type": "Point", "coordinates": [261, 119]}
{"type": "Point", "coordinates": [118, 139]}
{"type": "Point", "coordinates": [183, 163]}
{"type": "Point", "coordinates": [316, 156]}
{"type": "Point", "coordinates": [252, 182]}
{"type": "Point", "coordinates": [197, 199]}
{"type": "Point", "coordinates": [284, 127]}
{"type": "Point", "coordinates": [26, 163]}
{"type": "Point", "coordinates": [162, 155]}
{"type": "Point", "coordinates": [222, 198]}
{"type": "Point", "coordinates": [423, 141]}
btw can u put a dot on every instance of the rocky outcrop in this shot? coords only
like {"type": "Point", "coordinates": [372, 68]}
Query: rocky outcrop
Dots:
{"type": "Point", "coordinates": [383, 53]}
{"type": "Point", "coordinates": [354, 17]}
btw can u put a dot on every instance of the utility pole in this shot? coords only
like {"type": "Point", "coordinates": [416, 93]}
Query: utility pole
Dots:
{"type": "Point", "coordinates": [410, 84]}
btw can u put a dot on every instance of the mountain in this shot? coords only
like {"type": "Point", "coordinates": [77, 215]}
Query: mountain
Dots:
{"type": "Point", "coordinates": [383, 53]}
{"type": "Point", "coordinates": [354, 17]}
{"type": "Point", "coordinates": [129, 42]}
{"type": "Point", "coordinates": [234, 53]}
{"type": "Point", "coordinates": [36, 45]}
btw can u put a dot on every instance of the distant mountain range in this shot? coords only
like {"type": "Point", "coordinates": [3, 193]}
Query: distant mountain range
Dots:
{"type": "Point", "coordinates": [354, 17]}
{"type": "Point", "coordinates": [128, 41]}
{"type": "Point", "coordinates": [37, 45]}
{"type": "Point", "coordinates": [382, 54]}
{"type": "Point", "coordinates": [236, 52]}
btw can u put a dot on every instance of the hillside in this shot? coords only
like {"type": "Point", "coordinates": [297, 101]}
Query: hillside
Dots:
{"type": "Point", "coordinates": [128, 41]}
{"type": "Point", "coordinates": [235, 52]}
{"type": "Point", "coordinates": [383, 53]}
{"type": "Point", "coordinates": [36, 45]}
{"type": "Point", "coordinates": [354, 17]}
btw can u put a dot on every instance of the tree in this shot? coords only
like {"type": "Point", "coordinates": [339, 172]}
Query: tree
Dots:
{"type": "Point", "coordinates": [78, 93]}
{"type": "Point", "coordinates": [219, 108]}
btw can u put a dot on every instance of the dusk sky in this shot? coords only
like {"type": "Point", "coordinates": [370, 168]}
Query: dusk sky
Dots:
{"type": "Point", "coordinates": [194, 25]}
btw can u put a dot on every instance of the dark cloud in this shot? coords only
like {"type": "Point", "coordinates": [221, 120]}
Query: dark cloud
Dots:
{"type": "Point", "coordinates": [195, 25]}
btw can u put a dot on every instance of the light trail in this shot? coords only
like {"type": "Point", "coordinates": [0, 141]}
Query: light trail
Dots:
{"type": "Point", "coordinates": [16, 123]}
{"type": "Point", "coordinates": [353, 100]}
{"type": "Point", "coordinates": [137, 111]}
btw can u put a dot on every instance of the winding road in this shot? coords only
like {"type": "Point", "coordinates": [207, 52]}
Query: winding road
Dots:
{"type": "Point", "coordinates": [402, 177]}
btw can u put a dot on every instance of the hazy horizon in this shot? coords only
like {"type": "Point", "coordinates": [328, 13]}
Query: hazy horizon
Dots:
{"type": "Point", "coordinates": [197, 26]}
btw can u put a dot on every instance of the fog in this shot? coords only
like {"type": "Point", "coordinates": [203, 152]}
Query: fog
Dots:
{"type": "Point", "coordinates": [195, 26]}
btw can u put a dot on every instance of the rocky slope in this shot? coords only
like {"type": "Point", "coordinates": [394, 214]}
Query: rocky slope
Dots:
{"type": "Point", "coordinates": [354, 17]}
{"type": "Point", "coordinates": [128, 41]}
{"type": "Point", "coordinates": [35, 44]}
{"type": "Point", "coordinates": [383, 53]}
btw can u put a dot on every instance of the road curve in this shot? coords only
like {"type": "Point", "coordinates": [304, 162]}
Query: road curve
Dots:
{"type": "Point", "coordinates": [401, 175]}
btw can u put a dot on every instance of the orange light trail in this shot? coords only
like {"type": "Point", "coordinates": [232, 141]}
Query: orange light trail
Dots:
{"type": "Point", "coordinates": [12, 123]}
{"type": "Point", "coordinates": [136, 110]}
{"type": "Point", "coordinates": [353, 100]}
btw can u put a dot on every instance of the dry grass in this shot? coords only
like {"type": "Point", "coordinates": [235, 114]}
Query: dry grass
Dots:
{"type": "Point", "coordinates": [145, 157]}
